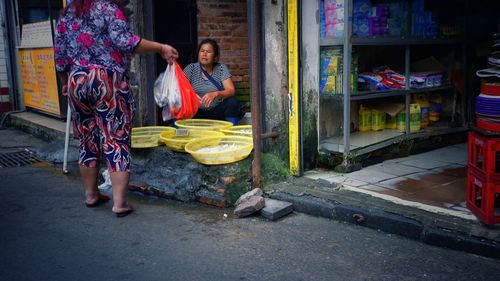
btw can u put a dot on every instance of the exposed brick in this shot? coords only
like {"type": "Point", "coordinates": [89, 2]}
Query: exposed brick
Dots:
{"type": "Point", "coordinates": [211, 197]}
{"type": "Point", "coordinates": [203, 33]}
{"type": "Point", "coordinates": [226, 22]}
{"type": "Point", "coordinates": [234, 14]}
{"type": "Point", "coordinates": [239, 33]}
{"type": "Point", "coordinates": [222, 192]}
{"type": "Point", "coordinates": [234, 40]}
{"type": "Point", "coordinates": [221, 203]}
{"type": "Point", "coordinates": [228, 179]}
{"type": "Point", "coordinates": [222, 33]}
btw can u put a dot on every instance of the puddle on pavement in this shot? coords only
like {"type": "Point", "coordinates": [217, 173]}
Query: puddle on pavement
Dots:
{"type": "Point", "coordinates": [444, 188]}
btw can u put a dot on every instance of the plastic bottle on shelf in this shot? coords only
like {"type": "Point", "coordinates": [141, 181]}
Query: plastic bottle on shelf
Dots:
{"type": "Point", "coordinates": [415, 114]}
{"type": "Point", "coordinates": [378, 120]}
{"type": "Point", "coordinates": [435, 102]}
{"type": "Point", "coordinates": [401, 120]}
{"type": "Point", "coordinates": [423, 101]}
{"type": "Point", "coordinates": [391, 122]}
{"type": "Point", "coordinates": [365, 119]}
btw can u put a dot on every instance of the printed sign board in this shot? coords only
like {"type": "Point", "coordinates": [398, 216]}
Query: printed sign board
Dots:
{"type": "Point", "coordinates": [39, 80]}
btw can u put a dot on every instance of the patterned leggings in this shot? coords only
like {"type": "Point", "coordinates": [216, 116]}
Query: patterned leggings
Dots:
{"type": "Point", "coordinates": [102, 109]}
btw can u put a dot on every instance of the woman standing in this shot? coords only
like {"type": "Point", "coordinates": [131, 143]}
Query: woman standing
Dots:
{"type": "Point", "coordinates": [93, 48]}
{"type": "Point", "coordinates": [212, 82]}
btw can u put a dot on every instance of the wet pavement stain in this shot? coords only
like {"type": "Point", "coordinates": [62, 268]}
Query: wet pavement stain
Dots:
{"type": "Point", "coordinates": [444, 188]}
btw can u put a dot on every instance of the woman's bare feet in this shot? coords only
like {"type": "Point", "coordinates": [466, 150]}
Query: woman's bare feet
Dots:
{"type": "Point", "coordinates": [95, 199]}
{"type": "Point", "coordinates": [123, 211]}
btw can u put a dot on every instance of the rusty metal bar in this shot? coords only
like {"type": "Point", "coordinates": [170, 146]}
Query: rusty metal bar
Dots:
{"type": "Point", "coordinates": [271, 135]}
{"type": "Point", "coordinates": [254, 37]}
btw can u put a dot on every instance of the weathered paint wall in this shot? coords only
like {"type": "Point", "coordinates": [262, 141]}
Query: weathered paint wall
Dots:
{"type": "Point", "coordinates": [138, 66]}
{"type": "Point", "coordinates": [310, 81]}
{"type": "Point", "coordinates": [275, 80]}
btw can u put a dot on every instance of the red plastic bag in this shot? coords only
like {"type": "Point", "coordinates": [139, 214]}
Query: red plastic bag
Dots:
{"type": "Point", "coordinates": [175, 94]}
{"type": "Point", "coordinates": [189, 100]}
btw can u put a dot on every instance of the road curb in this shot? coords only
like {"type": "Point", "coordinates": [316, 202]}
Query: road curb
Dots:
{"type": "Point", "coordinates": [391, 223]}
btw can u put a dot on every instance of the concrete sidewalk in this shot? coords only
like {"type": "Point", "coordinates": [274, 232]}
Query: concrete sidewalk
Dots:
{"type": "Point", "coordinates": [395, 196]}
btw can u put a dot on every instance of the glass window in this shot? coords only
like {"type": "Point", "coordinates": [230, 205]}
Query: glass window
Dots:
{"type": "Point", "coordinates": [31, 11]}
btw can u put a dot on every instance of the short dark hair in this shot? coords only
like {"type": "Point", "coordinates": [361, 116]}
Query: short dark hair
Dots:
{"type": "Point", "coordinates": [211, 42]}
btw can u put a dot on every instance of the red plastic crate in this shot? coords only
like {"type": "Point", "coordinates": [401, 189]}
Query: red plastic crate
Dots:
{"type": "Point", "coordinates": [484, 155]}
{"type": "Point", "coordinates": [483, 197]}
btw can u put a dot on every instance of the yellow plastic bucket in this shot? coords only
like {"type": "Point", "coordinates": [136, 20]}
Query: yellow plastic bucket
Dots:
{"type": "Point", "coordinates": [177, 143]}
{"type": "Point", "coordinates": [149, 136]}
{"type": "Point", "coordinates": [240, 130]}
{"type": "Point", "coordinates": [203, 124]}
{"type": "Point", "coordinates": [220, 150]}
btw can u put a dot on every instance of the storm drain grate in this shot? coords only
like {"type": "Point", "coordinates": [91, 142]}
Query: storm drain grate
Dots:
{"type": "Point", "coordinates": [17, 159]}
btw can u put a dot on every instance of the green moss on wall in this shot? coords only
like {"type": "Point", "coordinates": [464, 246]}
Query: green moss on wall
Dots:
{"type": "Point", "coordinates": [272, 169]}
{"type": "Point", "coordinates": [309, 137]}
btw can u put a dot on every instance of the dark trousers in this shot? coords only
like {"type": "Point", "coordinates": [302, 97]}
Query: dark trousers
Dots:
{"type": "Point", "coordinates": [228, 108]}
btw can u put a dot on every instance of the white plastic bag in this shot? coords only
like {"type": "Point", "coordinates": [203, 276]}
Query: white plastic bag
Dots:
{"type": "Point", "coordinates": [167, 93]}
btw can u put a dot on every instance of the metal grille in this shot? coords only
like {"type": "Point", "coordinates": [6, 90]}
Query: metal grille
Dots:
{"type": "Point", "coordinates": [17, 159]}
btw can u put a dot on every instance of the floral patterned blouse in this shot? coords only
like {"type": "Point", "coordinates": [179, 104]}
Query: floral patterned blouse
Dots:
{"type": "Point", "coordinates": [99, 38]}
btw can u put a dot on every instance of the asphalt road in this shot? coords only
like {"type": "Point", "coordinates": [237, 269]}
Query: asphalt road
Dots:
{"type": "Point", "coordinates": [46, 233]}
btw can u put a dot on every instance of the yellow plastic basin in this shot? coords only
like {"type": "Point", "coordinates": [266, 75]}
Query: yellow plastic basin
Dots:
{"type": "Point", "coordinates": [177, 143]}
{"type": "Point", "coordinates": [240, 130]}
{"type": "Point", "coordinates": [203, 124]}
{"type": "Point", "coordinates": [220, 150]}
{"type": "Point", "coordinates": [149, 136]}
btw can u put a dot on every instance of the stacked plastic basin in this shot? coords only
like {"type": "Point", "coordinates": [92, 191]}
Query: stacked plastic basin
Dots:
{"type": "Point", "coordinates": [488, 107]}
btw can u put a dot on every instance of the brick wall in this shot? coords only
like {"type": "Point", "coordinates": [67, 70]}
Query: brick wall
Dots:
{"type": "Point", "coordinates": [226, 22]}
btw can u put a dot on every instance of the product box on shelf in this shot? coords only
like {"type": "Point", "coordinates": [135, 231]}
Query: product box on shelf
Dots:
{"type": "Point", "coordinates": [331, 69]}
{"type": "Point", "coordinates": [426, 79]}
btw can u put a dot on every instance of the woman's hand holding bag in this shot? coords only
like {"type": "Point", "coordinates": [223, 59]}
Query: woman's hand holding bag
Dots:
{"type": "Point", "coordinates": [174, 93]}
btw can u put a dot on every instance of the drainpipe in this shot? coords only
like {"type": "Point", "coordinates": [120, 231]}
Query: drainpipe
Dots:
{"type": "Point", "coordinates": [254, 37]}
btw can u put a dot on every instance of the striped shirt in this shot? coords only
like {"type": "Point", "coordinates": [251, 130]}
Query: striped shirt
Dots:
{"type": "Point", "coordinates": [203, 86]}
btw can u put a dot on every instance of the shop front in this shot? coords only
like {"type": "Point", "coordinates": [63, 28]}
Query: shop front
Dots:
{"type": "Point", "coordinates": [395, 73]}
{"type": "Point", "coordinates": [40, 89]}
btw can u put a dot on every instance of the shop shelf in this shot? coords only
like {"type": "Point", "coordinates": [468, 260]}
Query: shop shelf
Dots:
{"type": "Point", "coordinates": [392, 41]}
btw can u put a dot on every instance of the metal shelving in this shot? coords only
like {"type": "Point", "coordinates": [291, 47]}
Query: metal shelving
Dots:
{"type": "Point", "coordinates": [366, 95]}
{"type": "Point", "coordinates": [365, 142]}
{"type": "Point", "coordinates": [391, 41]}
{"type": "Point", "coordinates": [349, 143]}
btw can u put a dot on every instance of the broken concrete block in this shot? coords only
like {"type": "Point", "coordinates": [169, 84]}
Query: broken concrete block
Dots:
{"type": "Point", "coordinates": [244, 197]}
{"type": "Point", "coordinates": [276, 209]}
{"type": "Point", "coordinates": [250, 206]}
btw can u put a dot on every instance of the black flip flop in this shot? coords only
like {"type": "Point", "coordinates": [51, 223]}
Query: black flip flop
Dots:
{"type": "Point", "coordinates": [102, 199]}
{"type": "Point", "coordinates": [125, 213]}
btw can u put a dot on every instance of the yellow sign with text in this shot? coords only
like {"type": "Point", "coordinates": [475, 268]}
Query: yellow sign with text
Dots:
{"type": "Point", "coordinates": [39, 80]}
